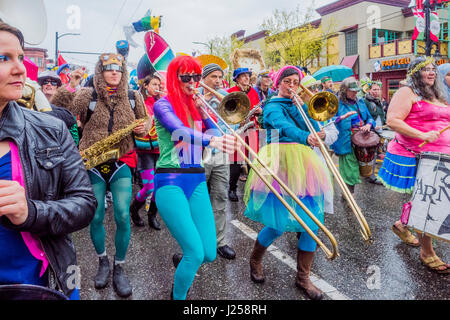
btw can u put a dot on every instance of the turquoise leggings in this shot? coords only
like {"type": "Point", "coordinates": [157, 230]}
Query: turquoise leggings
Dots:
{"type": "Point", "coordinates": [121, 190]}
{"type": "Point", "coordinates": [191, 223]}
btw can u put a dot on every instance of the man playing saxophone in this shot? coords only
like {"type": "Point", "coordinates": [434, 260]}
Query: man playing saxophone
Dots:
{"type": "Point", "coordinates": [108, 112]}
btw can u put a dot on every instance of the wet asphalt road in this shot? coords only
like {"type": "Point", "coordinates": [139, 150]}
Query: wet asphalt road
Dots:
{"type": "Point", "coordinates": [387, 269]}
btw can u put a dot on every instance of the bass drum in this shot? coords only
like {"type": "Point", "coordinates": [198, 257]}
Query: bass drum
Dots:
{"type": "Point", "coordinates": [430, 200]}
{"type": "Point", "coordinates": [29, 292]}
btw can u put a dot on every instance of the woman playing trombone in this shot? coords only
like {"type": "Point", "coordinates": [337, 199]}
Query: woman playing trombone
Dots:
{"type": "Point", "coordinates": [289, 154]}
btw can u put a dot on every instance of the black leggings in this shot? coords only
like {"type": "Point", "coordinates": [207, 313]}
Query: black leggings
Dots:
{"type": "Point", "coordinates": [235, 172]}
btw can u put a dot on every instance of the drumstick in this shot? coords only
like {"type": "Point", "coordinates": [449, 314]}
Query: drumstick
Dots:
{"type": "Point", "coordinates": [424, 143]}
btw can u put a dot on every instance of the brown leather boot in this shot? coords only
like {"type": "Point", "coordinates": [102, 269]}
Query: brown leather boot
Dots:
{"type": "Point", "coordinates": [302, 281]}
{"type": "Point", "coordinates": [256, 270]}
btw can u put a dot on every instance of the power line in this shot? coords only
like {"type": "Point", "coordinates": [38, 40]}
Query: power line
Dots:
{"type": "Point", "coordinates": [115, 22]}
{"type": "Point", "coordinates": [132, 16]}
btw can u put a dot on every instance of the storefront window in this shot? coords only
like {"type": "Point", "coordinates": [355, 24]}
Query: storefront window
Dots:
{"type": "Point", "coordinates": [393, 86]}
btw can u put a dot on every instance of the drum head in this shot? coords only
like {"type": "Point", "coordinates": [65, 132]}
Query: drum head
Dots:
{"type": "Point", "coordinates": [365, 139]}
{"type": "Point", "coordinates": [29, 292]}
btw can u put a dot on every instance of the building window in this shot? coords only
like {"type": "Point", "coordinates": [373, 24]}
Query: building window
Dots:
{"type": "Point", "coordinates": [351, 43]}
{"type": "Point", "coordinates": [385, 36]}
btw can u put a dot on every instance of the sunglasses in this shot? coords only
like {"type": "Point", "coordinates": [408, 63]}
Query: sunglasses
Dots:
{"type": "Point", "coordinates": [187, 77]}
{"type": "Point", "coordinates": [113, 67]}
{"type": "Point", "coordinates": [52, 82]}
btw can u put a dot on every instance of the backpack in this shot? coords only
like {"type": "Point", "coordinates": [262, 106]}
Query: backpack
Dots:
{"type": "Point", "coordinates": [93, 103]}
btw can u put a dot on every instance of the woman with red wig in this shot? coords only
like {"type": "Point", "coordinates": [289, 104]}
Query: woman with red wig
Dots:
{"type": "Point", "coordinates": [180, 176]}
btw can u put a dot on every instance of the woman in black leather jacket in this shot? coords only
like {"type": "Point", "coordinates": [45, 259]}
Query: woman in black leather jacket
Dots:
{"type": "Point", "coordinates": [45, 193]}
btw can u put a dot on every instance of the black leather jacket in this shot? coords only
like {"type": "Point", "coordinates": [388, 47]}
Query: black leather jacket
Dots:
{"type": "Point", "coordinates": [59, 193]}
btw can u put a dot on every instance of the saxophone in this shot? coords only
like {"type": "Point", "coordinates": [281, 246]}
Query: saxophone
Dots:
{"type": "Point", "coordinates": [102, 151]}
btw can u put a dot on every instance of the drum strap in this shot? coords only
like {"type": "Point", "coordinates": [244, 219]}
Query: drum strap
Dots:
{"type": "Point", "coordinates": [416, 155]}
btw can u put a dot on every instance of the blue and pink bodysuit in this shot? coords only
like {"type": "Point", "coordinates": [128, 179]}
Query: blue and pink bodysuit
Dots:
{"type": "Point", "coordinates": [181, 192]}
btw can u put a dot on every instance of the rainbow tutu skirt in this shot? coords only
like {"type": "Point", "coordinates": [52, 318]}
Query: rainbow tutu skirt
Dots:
{"type": "Point", "coordinates": [299, 167]}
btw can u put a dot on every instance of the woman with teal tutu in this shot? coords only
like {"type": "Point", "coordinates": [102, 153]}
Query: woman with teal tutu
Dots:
{"type": "Point", "coordinates": [290, 155]}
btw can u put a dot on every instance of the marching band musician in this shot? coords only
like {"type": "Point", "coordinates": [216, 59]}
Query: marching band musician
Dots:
{"type": "Point", "coordinates": [147, 158]}
{"type": "Point", "coordinates": [45, 191]}
{"type": "Point", "coordinates": [242, 78]}
{"type": "Point", "coordinates": [291, 158]}
{"type": "Point", "coordinates": [263, 86]}
{"type": "Point", "coordinates": [180, 176]}
{"type": "Point", "coordinates": [103, 110]}
{"type": "Point", "coordinates": [360, 118]}
{"type": "Point", "coordinates": [217, 165]}
{"type": "Point", "coordinates": [417, 112]}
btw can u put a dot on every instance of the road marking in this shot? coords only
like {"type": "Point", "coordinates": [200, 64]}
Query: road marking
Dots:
{"type": "Point", "coordinates": [326, 288]}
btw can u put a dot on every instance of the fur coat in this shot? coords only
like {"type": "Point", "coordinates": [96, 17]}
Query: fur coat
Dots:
{"type": "Point", "coordinates": [96, 128]}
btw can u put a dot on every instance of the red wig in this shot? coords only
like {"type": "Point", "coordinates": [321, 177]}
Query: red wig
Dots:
{"type": "Point", "coordinates": [180, 101]}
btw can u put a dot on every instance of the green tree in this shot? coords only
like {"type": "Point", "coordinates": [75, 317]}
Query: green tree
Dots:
{"type": "Point", "coordinates": [223, 47]}
{"type": "Point", "coordinates": [292, 38]}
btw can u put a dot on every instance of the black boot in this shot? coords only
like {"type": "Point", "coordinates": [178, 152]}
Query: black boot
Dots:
{"type": "Point", "coordinates": [121, 283]}
{"type": "Point", "coordinates": [176, 258]}
{"type": "Point", "coordinates": [152, 221]}
{"type": "Point", "coordinates": [102, 277]}
{"type": "Point", "coordinates": [134, 212]}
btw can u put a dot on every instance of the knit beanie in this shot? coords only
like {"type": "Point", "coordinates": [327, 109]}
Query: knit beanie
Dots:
{"type": "Point", "coordinates": [209, 68]}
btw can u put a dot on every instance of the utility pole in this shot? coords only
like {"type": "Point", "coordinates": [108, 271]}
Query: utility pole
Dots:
{"type": "Point", "coordinates": [210, 46]}
{"type": "Point", "coordinates": [57, 36]}
{"type": "Point", "coordinates": [428, 7]}
{"type": "Point", "coordinates": [428, 42]}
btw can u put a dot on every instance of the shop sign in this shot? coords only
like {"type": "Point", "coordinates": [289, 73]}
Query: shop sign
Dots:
{"type": "Point", "coordinates": [441, 61]}
{"type": "Point", "coordinates": [394, 64]}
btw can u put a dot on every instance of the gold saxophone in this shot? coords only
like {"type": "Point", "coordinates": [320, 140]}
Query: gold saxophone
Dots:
{"type": "Point", "coordinates": [102, 151]}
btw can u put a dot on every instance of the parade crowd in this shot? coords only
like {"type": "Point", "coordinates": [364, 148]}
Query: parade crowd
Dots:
{"type": "Point", "coordinates": [63, 164]}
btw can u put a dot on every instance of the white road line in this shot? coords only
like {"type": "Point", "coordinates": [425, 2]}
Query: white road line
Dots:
{"type": "Point", "coordinates": [326, 288]}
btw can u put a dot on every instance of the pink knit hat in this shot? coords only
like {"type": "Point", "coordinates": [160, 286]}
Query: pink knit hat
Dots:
{"type": "Point", "coordinates": [277, 76]}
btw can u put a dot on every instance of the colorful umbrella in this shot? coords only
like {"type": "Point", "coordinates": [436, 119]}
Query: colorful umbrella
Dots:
{"type": "Point", "coordinates": [336, 72]}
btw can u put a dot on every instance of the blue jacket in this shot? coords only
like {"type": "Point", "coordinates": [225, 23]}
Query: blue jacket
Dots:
{"type": "Point", "coordinates": [279, 113]}
{"type": "Point", "coordinates": [343, 144]}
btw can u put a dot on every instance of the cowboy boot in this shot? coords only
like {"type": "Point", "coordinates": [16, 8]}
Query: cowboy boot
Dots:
{"type": "Point", "coordinates": [152, 221]}
{"type": "Point", "coordinates": [121, 284]}
{"type": "Point", "coordinates": [302, 281]}
{"type": "Point", "coordinates": [134, 212]}
{"type": "Point", "coordinates": [256, 270]}
{"type": "Point", "coordinates": [102, 276]}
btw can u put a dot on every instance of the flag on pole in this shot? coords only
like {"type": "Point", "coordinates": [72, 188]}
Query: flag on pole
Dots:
{"type": "Point", "coordinates": [435, 26]}
{"type": "Point", "coordinates": [419, 4]}
{"type": "Point", "coordinates": [61, 60]}
{"type": "Point", "coordinates": [419, 28]}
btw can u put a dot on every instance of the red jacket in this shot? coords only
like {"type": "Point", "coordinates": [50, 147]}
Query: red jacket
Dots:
{"type": "Point", "coordinates": [252, 95]}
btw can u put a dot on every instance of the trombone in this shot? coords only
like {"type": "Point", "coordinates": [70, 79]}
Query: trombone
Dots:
{"type": "Point", "coordinates": [322, 106]}
{"type": "Point", "coordinates": [234, 101]}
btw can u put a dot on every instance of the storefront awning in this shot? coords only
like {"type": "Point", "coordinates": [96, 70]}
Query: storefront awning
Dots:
{"type": "Point", "coordinates": [349, 61]}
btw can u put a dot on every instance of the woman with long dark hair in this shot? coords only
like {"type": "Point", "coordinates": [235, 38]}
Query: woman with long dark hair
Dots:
{"type": "Point", "coordinates": [416, 113]}
{"type": "Point", "coordinates": [147, 150]}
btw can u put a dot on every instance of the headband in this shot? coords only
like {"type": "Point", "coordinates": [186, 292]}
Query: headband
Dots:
{"type": "Point", "coordinates": [420, 66]}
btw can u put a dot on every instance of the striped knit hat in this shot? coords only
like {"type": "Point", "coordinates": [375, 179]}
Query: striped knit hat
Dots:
{"type": "Point", "coordinates": [209, 68]}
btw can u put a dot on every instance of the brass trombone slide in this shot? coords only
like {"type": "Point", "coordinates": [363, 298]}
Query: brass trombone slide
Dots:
{"type": "Point", "coordinates": [330, 254]}
{"type": "Point", "coordinates": [365, 230]}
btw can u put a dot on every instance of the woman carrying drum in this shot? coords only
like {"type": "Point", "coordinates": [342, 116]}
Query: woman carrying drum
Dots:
{"type": "Point", "coordinates": [360, 118]}
{"type": "Point", "coordinates": [417, 112]}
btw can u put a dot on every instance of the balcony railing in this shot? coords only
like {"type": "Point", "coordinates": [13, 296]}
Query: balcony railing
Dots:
{"type": "Point", "coordinates": [402, 47]}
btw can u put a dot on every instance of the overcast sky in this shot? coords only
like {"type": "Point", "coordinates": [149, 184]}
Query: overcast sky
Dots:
{"type": "Point", "coordinates": [183, 22]}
